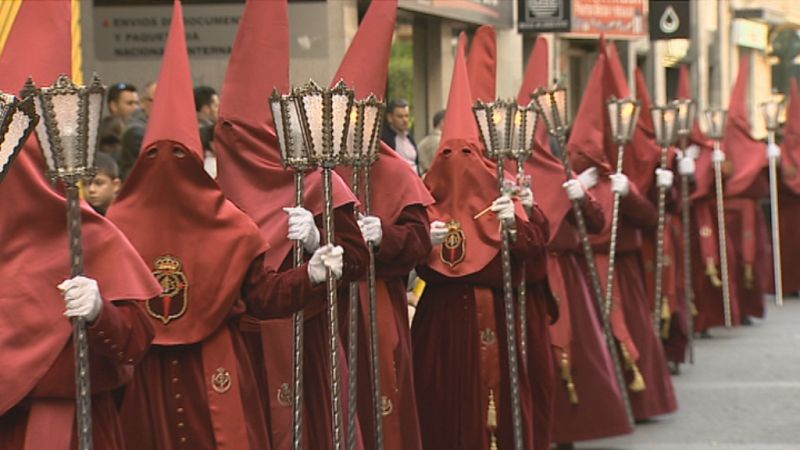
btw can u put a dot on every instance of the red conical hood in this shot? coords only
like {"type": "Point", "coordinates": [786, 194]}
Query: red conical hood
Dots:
{"type": "Point", "coordinates": [173, 117]}
{"type": "Point", "coordinates": [35, 250]}
{"type": "Point", "coordinates": [366, 64]}
{"type": "Point", "coordinates": [463, 182]}
{"type": "Point", "coordinates": [586, 144]}
{"type": "Point", "coordinates": [169, 204]}
{"type": "Point", "coordinates": [364, 68]}
{"type": "Point", "coordinates": [259, 62]}
{"type": "Point", "coordinates": [791, 142]}
{"type": "Point", "coordinates": [747, 155]}
{"type": "Point", "coordinates": [482, 65]}
{"type": "Point", "coordinates": [249, 167]}
{"type": "Point", "coordinates": [643, 155]}
{"type": "Point", "coordinates": [546, 170]}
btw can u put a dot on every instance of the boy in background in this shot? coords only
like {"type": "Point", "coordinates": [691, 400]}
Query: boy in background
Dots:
{"type": "Point", "coordinates": [104, 187]}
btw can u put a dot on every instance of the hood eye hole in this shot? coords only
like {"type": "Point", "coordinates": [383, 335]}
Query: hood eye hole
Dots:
{"type": "Point", "coordinates": [152, 153]}
{"type": "Point", "coordinates": [466, 151]}
{"type": "Point", "coordinates": [447, 152]}
{"type": "Point", "coordinates": [178, 152]}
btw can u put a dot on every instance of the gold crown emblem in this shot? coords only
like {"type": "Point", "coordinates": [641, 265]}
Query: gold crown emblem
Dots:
{"type": "Point", "coordinates": [168, 263]}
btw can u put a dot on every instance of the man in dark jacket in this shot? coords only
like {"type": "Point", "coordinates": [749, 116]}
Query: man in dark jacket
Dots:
{"type": "Point", "coordinates": [395, 133]}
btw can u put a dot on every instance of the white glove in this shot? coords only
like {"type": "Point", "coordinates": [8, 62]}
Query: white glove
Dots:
{"type": "Point", "coordinates": [664, 178]}
{"type": "Point", "coordinates": [588, 178]}
{"type": "Point", "coordinates": [82, 297]}
{"type": "Point", "coordinates": [620, 184]}
{"type": "Point", "coordinates": [302, 228]}
{"type": "Point", "coordinates": [503, 208]}
{"type": "Point", "coordinates": [773, 151]}
{"type": "Point", "coordinates": [574, 190]}
{"type": "Point", "coordinates": [693, 151]}
{"type": "Point", "coordinates": [371, 229]}
{"type": "Point", "coordinates": [718, 156]}
{"type": "Point", "coordinates": [325, 257]}
{"type": "Point", "coordinates": [438, 232]}
{"type": "Point", "coordinates": [526, 197]}
{"type": "Point", "coordinates": [686, 165]}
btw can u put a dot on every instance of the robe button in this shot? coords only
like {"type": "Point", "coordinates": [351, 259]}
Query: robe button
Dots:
{"type": "Point", "coordinates": [175, 380]}
{"type": "Point", "coordinates": [174, 362]}
{"type": "Point", "coordinates": [101, 333]}
{"type": "Point", "coordinates": [106, 341]}
{"type": "Point", "coordinates": [180, 424]}
{"type": "Point", "coordinates": [177, 396]}
{"type": "Point", "coordinates": [180, 410]}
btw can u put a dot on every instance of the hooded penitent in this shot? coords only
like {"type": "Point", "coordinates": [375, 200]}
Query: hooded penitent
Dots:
{"type": "Point", "coordinates": [250, 171]}
{"type": "Point", "coordinates": [198, 244]}
{"type": "Point", "coordinates": [463, 184]}
{"type": "Point", "coordinates": [790, 156]}
{"type": "Point", "coordinates": [704, 172]}
{"type": "Point", "coordinates": [364, 68]}
{"type": "Point", "coordinates": [745, 153]}
{"type": "Point", "coordinates": [33, 329]}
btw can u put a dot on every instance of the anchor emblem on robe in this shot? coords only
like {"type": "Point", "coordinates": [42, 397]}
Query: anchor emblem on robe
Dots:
{"type": "Point", "coordinates": [454, 247]}
{"type": "Point", "coordinates": [174, 298]}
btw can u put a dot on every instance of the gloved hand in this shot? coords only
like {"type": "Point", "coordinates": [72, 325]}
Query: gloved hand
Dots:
{"type": "Point", "coordinates": [620, 184]}
{"type": "Point", "coordinates": [692, 151]}
{"type": "Point", "coordinates": [371, 229]}
{"type": "Point", "coordinates": [686, 166]}
{"type": "Point", "coordinates": [302, 228]}
{"type": "Point", "coordinates": [664, 178]}
{"type": "Point", "coordinates": [574, 190]}
{"type": "Point", "coordinates": [82, 297]}
{"type": "Point", "coordinates": [526, 197]}
{"type": "Point", "coordinates": [326, 257]}
{"type": "Point", "coordinates": [588, 178]}
{"type": "Point", "coordinates": [718, 156]}
{"type": "Point", "coordinates": [503, 208]}
{"type": "Point", "coordinates": [438, 232]}
{"type": "Point", "coordinates": [773, 151]}
{"type": "Point", "coordinates": [713, 274]}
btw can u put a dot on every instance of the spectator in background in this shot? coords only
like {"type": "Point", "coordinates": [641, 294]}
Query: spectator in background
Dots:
{"type": "Point", "coordinates": [108, 139]}
{"type": "Point", "coordinates": [206, 102]}
{"type": "Point", "coordinates": [104, 187]}
{"type": "Point", "coordinates": [122, 100]}
{"type": "Point", "coordinates": [134, 131]}
{"type": "Point", "coordinates": [395, 133]}
{"type": "Point", "coordinates": [430, 143]}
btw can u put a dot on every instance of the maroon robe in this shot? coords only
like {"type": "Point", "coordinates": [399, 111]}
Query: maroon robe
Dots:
{"type": "Point", "coordinates": [458, 337]}
{"type": "Point", "coordinates": [404, 245]}
{"type": "Point", "coordinates": [578, 336]}
{"type": "Point", "coordinates": [790, 254]}
{"type": "Point", "coordinates": [636, 212]}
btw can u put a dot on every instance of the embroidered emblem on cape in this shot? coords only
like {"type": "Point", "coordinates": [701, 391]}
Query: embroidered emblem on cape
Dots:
{"type": "Point", "coordinates": [285, 395]}
{"type": "Point", "coordinates": [221, 381]}
{"type": "Point", "coordinates": [174, 298]}
{"type": "Point", "coordinates": [705, 231]}
{"type": "Point", "coordinates": [454, 247]}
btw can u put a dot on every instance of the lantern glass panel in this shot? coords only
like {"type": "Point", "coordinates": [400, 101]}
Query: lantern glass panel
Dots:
{"type": "Point", "coordinates": [499, 122]}
{"type": "Point", "coordinates": [371, 124]}
{"type": "Point", "coordinates": [17, 129]}
{"type": "Point", "coordinates": [614, 118]}
{"type": "Point", "coordinates": [483, 125]}
{"type": "Point", "coordinates": [716, 123]}
{"type": "Point", "coordinates": [43, 136]}
{"type": "Point", "coordinates": [66, 110]}
{"type": "Point", "coordinates": [275, 103]}
{"type": "Point", "coordinates": [340, 121]}
{"type": "Point", "coordinates": [560, 102]}
{"type": "Point", "coordinates": [95, 101]}
{"type": "Point", "coordinates": [312, 107]}
{"type": "Point", "coordinates": [297, 145]}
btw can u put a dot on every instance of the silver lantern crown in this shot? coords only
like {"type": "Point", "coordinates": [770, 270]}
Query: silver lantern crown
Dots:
{"type": "Point", "coordinates": [716, 119]}
{"type": "Point", "coordinates": [495, 123]}
{"type": "Point", "coordinates": [325, 120]}
{"type": "Point", "coordinates": [552, 106]}
{"type": "Point", "coordinates": [17, 120]}
{"type": "Point", "coordinates": [772, 110]}
{"type": "Point", "coordinates": [623, 114]}
{"type": "Point", "coordinates": [685, 120]}
{"type": "Point", "coordinates": [67, 131]}
{"type": "Point", "coordinates": [364, 131]}
{"type": "Point", "coordinates": [665, 124]}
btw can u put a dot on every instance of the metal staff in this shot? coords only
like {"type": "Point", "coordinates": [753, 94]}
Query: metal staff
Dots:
{"type": "Point", "coordinates": [494, 121]}
{"type": "Point", "coordinates": [623, 114]}
{"type": "Point", "coordinates": [772, 110]}
{"type": "Point", "coordinates": [68, 137]}
{"type": "Point", "coordinates": [664, 126]}
{"type": "Point", "coordinates": [686, 109]}
{"type": "Point", "coordinates": [293, 155]}
{"type": "Point", "coordinates": [365, 133]}
{"type": "Point", "coordinates": [352, 341]}
{"type": "Point", "coordinates": [552, 106]}
{"type": "Point", "coordinates": [716, 121]}
{"type": "Point", "coordinates": [525, 122]}
{"type": "Point", "coordinates": [325, 118]}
